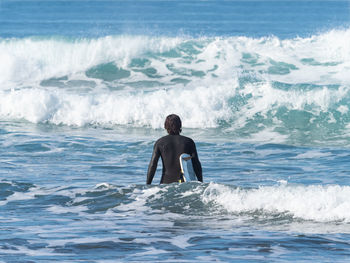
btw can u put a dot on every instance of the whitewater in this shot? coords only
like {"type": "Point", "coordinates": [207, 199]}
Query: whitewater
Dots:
{"type": "Point", "coordinates": [235, 82]}
{"type": "Point", "coordinates": [262, 87]}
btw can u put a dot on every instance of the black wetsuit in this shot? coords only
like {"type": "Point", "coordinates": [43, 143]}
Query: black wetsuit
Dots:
{"type": "Point", "coordinates": [170, 148]}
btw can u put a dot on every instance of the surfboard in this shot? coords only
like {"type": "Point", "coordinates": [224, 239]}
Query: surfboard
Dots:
{"type": "Point", "coordinates": [187, 168]}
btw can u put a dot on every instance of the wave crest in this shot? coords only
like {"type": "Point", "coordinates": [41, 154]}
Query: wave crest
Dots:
{"type": "Point", "coordinates": [317, 203]}
{"type": "Point", "coordinates": [295, 88]}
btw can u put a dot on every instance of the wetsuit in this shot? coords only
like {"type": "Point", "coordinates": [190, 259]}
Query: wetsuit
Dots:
{"type": "Point", "coordinates": [169, 148]}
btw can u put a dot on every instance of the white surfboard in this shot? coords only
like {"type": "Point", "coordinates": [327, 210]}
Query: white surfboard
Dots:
{"type": "Point", "coordinates": [187, 168]}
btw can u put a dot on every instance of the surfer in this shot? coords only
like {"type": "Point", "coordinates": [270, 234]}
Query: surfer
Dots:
{"type": "Point", "coordinates": [169, 148]}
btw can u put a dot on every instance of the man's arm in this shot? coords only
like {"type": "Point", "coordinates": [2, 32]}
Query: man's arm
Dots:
{"type": "Point", "coordinates": [197, 167]}
{"type": "Point", "coordinates": [153, 164]}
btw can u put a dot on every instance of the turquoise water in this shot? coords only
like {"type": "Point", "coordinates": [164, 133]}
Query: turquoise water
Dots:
{"type": "Point", "coordinates": [261, 86]}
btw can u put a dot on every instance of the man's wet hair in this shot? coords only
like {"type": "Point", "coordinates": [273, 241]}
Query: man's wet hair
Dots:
{"type": "Point", "coordinates": [173, 124]}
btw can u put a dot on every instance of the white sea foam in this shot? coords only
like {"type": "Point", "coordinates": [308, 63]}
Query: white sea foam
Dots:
{"type": "Point", "coordinates": [313, 154]}
{"type": "Point", "coordinates": [321, 59]}
{"type": "Point", "coordinates": [22, 250]}
{"type": "Point", "coordinates": [318, 203]}
{"type": "Point", "coordinates": [104, 186]}
{"type": "Point", "coordinates": [19, 196]}
{"type": "Point", "coordinates": [26, 61]}
{"type": "Point", "coordinates": [217, 81]}
{"type": "Point", "coordinates": [140, 198]}
{"type": "Point", "coordinates": [200, 107]}
{"type": "Point", "coordinates": [191, 192]}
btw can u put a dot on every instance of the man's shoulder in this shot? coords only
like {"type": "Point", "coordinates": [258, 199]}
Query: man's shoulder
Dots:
{"type": "Point", "coordinates": [186, 138]}
{"type": "Point", "coordinates": [167, 138]}
{"type": "Point", "coordinates": [162, 139]}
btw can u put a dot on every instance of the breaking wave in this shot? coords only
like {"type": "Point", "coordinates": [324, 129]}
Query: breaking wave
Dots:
{"type": "Point", "coordinates": [293, 88]}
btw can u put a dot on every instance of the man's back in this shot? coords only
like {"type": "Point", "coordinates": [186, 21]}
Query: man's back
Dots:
{"type": "Point", "coordinates": [169, 148]}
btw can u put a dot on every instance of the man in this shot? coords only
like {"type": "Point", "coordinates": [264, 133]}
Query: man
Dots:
{"type": "Point", "coordinates": [169, 148]}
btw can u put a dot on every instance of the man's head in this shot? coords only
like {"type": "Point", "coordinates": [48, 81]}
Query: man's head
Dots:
{"type": "Point", "coordinates": [173, 124]}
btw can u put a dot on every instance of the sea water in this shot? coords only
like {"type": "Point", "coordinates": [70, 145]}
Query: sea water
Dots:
{"type": "Point", "coordinates": [263, 87]}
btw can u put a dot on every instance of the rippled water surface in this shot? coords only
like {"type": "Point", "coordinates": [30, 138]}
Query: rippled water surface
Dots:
{"type": "Point", "coordinates": [261, 86]}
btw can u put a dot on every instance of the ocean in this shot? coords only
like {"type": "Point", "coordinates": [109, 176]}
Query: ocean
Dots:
{"type": "Point", "coordinates": [262, 87]}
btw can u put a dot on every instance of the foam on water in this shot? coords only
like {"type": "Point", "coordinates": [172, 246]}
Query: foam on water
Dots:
{"type": "Point", "coordinates": [320, 59]}
{"type": "Point", "coordinates": [200, 107]}
{"type": "Point", "coordinates": [27, 61]}
{"type": "Point", "coordinates": [153, 219]}
{"type": "Point", "coordinates": [80, 108]}
{"type": "Point", "coordinates": [314, 202]}
{"type": "Point", "coordinates": [317, 203]}
{"type": "Point", "coordinates": [294, 88]}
